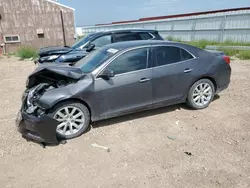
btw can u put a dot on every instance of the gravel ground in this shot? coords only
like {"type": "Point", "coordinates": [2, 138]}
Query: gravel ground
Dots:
{"type": "Point", "coordinates": [146, 149]}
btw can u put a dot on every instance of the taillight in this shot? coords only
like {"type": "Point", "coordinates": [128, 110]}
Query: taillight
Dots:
{"type": "Point", "coordinates": [226, 59]}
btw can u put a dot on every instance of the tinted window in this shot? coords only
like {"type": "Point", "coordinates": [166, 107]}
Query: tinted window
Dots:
{"type": "Point", "coordinates": [119, 37]}
{"type": "Point", "coordinates": [145, 36]}
{"type": "Point", "coordinates": [130, 61]}
{"type": "Point", "coordinates": [165, 55]}
{"type": "Point", "coordinates": [185, 55]}
{"type": "Point", "coordinates": [102, 41]}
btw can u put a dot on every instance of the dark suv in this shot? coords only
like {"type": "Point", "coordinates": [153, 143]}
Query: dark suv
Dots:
{"type": "Point", "coordinates": [94, 41]}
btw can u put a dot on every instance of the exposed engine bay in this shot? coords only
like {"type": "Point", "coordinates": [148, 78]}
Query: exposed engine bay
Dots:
{"type": "Point", "coordinates": [44, 80]}
{"type": "Point", "coordinates": [33, 94]}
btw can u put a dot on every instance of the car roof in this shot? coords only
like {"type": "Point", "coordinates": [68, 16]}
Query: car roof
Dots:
{"type": "Point", "coordinates": [125, 30]}
{"type": "Point", "coordinates": [137, 43]}
{"type": "Point", "coordinates": [120, 46]}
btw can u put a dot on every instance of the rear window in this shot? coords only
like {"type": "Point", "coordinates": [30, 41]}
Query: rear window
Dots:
{"type": "Point", "coordinates": [120, 37]}
{"type": "Point", "coordinates": [157, 36]}
{"type": "Point", "coordinates": [185, 55]}
{"type": "Point", "coordinates": [165, 55]}
{"type": "Point", "coordinates": [145, 36]}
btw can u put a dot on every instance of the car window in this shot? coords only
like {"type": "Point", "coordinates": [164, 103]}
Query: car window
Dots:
{"type": "Point", "coordinates": [82, 41]}
{"type": "Point", "coordinates": [145, 36]}
{"type": "Point", "coordinates": [165, 55]}
{"type": "Point", "coordinates": [130, 61]}
{"type": "Point", "coordinates": [120, 37]}
{"type": "Point", "coordinates": [95, 59]}
{"type": "Point", "coordinates": [185, 55]}
{"type": "Point", "coordinates": [102, 41]}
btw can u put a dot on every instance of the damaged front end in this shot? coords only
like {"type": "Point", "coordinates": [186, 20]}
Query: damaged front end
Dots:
{"type": "Point", "coordinates": [34, 121]}
{"type": "Point", "coordinates": [31, 106]}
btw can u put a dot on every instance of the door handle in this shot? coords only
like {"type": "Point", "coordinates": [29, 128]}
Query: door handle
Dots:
{"type": "Point", "coordinates": [144, 80]}
{"type": "Point", "coordinates": [188, 70]}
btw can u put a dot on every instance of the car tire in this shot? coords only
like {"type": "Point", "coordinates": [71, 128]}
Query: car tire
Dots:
{"type": "Point", "coordinates": [201, 94]}
{"type": "Point", "coordinates": [72, 124]}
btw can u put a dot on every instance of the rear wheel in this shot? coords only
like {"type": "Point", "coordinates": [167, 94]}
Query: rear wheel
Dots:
{"type": "Point", "coordinates": [201, 94]}
{"type": "Point", "coordinates": [74, 119]}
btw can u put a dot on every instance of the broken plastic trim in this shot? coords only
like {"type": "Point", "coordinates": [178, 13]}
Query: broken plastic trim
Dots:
{"type": "Point", "coordinates": [32, 96]}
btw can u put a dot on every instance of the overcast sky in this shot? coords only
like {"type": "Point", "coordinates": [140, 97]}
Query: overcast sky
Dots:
{"type": "Point", "coordinates": [100, 11]}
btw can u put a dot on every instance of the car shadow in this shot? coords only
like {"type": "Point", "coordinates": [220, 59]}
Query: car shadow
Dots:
{"type": "Point", "coordinates": [216, 97]}
{"type": "Point", "coordinates": [138, 115]}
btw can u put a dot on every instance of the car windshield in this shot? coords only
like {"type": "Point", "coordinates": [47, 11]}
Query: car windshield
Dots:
{"type": "Point", "coordinates": [95, 59]}
{"type": "Point", "coordinates": [82, 41]}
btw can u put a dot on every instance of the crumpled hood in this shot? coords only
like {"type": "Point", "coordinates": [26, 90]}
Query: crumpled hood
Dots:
{"type": "Point", "coordinates": [51, 72]}
{"type": "Point", "coordinates": [54, 51]}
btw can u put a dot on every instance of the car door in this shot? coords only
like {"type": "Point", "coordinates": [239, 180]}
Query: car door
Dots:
{"type": "Point", "coordinates": [172, 73]}
{"type": "Point", "coordinates": [131, 87]}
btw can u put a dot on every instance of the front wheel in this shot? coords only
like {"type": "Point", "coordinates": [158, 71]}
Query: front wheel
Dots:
{"type": "Point", "coordinates": [201, 94]}
{"type": "Point", "coordinates": [74, 119]}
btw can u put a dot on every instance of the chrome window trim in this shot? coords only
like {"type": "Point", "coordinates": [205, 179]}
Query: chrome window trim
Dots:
{"type": "Point", "coordinates": [168, 45]}
{"type": "Point", "coordinates": [99, 69]}
{"type": "Point", "coordinates": [174, 63]}
{"type": "Point", "coordinates": [194, 57]}
{"type": "Point", "coordinates": [153, 37]}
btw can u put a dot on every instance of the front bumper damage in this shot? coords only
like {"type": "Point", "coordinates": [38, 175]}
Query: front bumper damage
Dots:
{"type": "Point", "coordinates": [34, 121]}
{"type": "Point", "coordinates": [33, 126]}
{"type": "Point", "coordinates": [39, 129]}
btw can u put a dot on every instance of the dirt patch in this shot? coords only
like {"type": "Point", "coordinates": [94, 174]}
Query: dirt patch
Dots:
{"type": "Point", "coordinates": [146, 149]}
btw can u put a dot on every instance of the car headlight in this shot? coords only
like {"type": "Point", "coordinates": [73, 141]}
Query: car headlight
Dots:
{"type": "Point", "coordinates": [53, 57]}
{"type": "Point", "coordinates": [60, 59]}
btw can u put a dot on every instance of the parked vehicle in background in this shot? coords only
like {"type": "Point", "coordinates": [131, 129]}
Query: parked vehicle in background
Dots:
{"type": "Point", "coordinates": [117, 79]}
{"type": "Point", "coordinates": [92, 42]}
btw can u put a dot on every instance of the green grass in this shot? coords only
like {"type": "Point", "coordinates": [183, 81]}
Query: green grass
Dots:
{"type": "Point", "coordinates": [245, 55]}
{"type": "Point", "coordinates": [232, 43]}
{"type": "Point", "coordinates": [170, 38]}
{"type": "Point", "coordinates": [203, 43]}
{"type": "Point", "coordinates": [27, 52]}
{"type": "Point", "coordinates": [241, 54]}
{"type": "Point", "coordinates": [9, 55]}
{"type": "Point", "coordinates": [229, 52]}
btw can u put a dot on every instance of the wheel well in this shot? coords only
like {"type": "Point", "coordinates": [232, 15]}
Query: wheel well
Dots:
{"type": "Point", "coordinates": [209, 78]}
{"type": "Point", "coordinates": [74, 100]}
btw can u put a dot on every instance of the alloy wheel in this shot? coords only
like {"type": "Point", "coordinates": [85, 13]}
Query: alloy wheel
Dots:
{"type": "Point", "coordinates": [71, 120]}
{"type": "Point", "coordinates": [202, 94]}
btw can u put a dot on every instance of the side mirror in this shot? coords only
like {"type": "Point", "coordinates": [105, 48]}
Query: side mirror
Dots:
{"type": "Point", "coordinates": [90, 47]}
{"type": "Point", "coordinates": [106, 74]}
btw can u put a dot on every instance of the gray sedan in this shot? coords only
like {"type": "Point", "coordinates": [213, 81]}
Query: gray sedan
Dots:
{"type": "Point", "coordinates": [61, 100]}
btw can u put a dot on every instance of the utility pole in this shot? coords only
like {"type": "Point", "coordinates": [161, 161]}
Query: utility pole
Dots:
{"type": "Point", "coordinates": [63, 29]}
